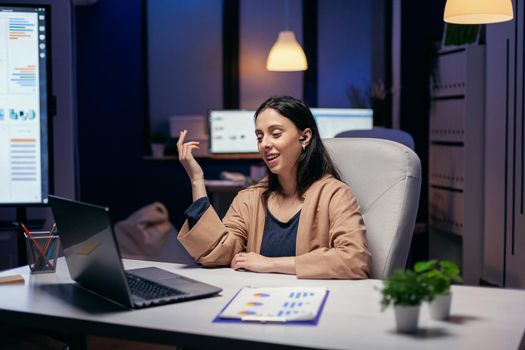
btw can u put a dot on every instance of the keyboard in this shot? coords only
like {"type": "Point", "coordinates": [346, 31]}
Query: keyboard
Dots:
{"type": "Point", "coordinates": [150, 290]}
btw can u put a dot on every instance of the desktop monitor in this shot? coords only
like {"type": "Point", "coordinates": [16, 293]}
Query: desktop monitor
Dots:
{"type": "Point", "coordinates": [24, 104]}
{"type": "Point", "coordinates": [232, 132]}
{"type": "Point", "coordinates": [332, 121]}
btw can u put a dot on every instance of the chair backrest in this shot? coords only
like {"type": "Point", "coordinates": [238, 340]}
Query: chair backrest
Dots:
{"type": "Point", "coordinates": [396, 135]}
{"type": "Point", "coordinates": [385, 177]}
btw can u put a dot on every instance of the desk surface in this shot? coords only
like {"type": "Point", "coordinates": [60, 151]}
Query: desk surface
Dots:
{"type": "Point", "coordinates": [481, 317]}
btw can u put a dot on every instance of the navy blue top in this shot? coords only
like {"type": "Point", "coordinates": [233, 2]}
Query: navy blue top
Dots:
{"type": "Point", "coordinates": [279, 238]}
{"type": "Point", "coordinates": [196, 209]}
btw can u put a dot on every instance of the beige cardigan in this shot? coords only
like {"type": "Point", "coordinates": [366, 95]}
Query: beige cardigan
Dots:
{"type": "Point", "coordinates": [331, 241]}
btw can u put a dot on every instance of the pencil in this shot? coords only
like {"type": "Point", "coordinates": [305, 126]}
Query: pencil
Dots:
{"type": "Point", "coordinates": [26, 230]}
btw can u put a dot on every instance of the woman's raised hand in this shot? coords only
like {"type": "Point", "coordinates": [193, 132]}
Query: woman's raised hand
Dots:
{"type": "Point", "coordinates": [193, 169]}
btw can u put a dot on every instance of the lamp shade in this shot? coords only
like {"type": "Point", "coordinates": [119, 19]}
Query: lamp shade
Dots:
{"type": "Point", "coordinates": [478, 11]}
{"type": "Point", "coordinates": [286, 55]}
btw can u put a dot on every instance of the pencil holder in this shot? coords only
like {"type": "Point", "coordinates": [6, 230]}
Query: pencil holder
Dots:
{"type": "Point", "coordinates": [42, 252]}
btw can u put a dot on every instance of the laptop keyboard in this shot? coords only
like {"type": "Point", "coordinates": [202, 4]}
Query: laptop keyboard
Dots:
{"type": "Point", "coordinates": [150, 290]}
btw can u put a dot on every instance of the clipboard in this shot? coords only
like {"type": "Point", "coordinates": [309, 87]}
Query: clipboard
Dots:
{"type": "Point", "coordinates": [275, 305]}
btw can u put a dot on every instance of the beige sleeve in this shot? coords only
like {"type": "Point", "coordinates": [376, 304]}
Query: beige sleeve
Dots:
{"type": "Point", "coordinates": [347, 256]}
{"type": "Point", "coordinates": [212, 242]}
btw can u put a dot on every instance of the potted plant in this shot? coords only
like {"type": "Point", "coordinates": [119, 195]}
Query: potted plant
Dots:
{"type": "Point", "coordinates": [405, 290]}
{"type": "Point", "coordinates": [377, 97]}
{"type": "Point", "coordinates": [158, 143]}
{"type": "Point", "coordinates": [438, 277]}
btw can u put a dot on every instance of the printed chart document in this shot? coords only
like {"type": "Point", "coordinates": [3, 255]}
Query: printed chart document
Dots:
{"type": "Point", "coordinates": [275, 304]}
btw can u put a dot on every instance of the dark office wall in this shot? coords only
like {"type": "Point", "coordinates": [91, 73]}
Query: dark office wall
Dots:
{"type": "Point", "coordinates": [344, 55]}
{"type": "Point", "coordinates": [184, 58]}
{"type": "Point", "coordinates": [110, 103]}
{"type": "Point", "coordinates": [112, 109]}
{"type": "Point", "coordinates": [422, 25]}
{"type": "Point", "coordinates": [111, 113]}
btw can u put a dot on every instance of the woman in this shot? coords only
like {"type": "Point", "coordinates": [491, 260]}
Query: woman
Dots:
{"type": "Point", "coordinates": [300, 219]}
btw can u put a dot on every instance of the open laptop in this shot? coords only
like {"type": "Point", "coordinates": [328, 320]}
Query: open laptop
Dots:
{"type": "Point", "coordinates": [93, 259]}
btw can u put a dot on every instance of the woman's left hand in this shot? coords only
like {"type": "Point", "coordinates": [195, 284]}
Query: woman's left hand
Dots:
{"type": "Point", "coordinates": [251, 262]}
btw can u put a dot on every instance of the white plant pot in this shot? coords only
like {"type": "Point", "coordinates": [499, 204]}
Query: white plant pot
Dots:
{"type": "Point", "coordinates": [407, 318]}
{"type": "Point", "coordinates": [157, 150]}
{"type": "Point", "coordinates": [439, 308]}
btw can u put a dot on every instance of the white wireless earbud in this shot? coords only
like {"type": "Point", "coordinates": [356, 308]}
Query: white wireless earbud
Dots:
{"type": "Point", "coordinates": [302, 138]}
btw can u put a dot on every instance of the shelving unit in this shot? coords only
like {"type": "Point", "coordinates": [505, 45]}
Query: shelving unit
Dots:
{"type": "Point", "coordinates": [504, 219]}
{"type": "Point", "coordinates": [456, 160]}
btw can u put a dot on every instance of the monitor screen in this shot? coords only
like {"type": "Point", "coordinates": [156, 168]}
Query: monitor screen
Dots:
{"type": "Point", "coordinates": [332, 121]}
{"type": "Point", "coordinates": [232, 131]}
{"type": "Point", "coordinates": [24, 99]}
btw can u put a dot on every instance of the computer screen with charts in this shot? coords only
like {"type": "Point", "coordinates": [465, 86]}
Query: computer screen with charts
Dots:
{"type": "Point", "coordinates": [232, 131]}
{"type": "Point", "coordinates": [24, 99]}
{"type": "Point", "coordinates": [332, 121]}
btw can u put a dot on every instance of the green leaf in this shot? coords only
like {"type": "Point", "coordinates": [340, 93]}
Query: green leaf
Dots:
{"type": "Point", "coordinates": [423, 266]}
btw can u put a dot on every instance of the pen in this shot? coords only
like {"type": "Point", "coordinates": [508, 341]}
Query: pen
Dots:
{"type": "Point", "coordinates": [49, 251]}
{"type": "Point", "coordinates": [50, 234]}
{"type": "Point", "coordinates": [264, 319]}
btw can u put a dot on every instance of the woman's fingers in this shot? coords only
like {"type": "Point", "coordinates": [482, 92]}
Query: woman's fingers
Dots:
{"type": "Point", "coordinates": [190, 149]}
{"type": "Point", "coordinates": [251, 262]}
{"type": "Point", "coordinates": [184, 147]}
{"type": "Point", "coordinates": [239, 265]}
{"type": "Point", "coordinates": [239, 261]}
{"type": "Point", "coordinates": [190, 146]}
{"type": "Point", "coordinates": [180, 143]}
{"type": "Point", "coordinates": [187, 150]}
{"type": "Point", "coordinates": [182, 136]}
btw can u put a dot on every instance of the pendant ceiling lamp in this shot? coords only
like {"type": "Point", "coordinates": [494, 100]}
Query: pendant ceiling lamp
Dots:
{"type": "Point", "coordinates": [286, 55]}
{"type": "Point", "coordinates": [478, 11]}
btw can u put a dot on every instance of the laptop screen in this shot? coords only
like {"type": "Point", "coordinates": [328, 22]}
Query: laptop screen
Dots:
{"type": "Point", "coordinates": [90, 249]}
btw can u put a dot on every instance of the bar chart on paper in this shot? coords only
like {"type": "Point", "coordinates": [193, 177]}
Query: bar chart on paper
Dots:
{"type": "Point", "coordinates": [276, 304]}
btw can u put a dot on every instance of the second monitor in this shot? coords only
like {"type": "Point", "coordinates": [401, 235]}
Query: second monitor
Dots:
{"type": "Point", "coordinates": [233, 131]}
{"type": "Point", "coordinates": [332, 121]}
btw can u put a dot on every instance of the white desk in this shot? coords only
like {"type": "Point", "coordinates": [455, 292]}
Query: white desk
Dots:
{"type": "Point", "coordinates": [482, 318]}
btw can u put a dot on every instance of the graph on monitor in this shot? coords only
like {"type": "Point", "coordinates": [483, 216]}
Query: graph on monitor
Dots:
{"type": "Point", "coordinates": [24, 101]}
{"type": "Point", "coordinates": [233, 131]}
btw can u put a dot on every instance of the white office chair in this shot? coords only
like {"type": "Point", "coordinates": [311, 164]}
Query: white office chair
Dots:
{"type": "Point", "coordinates": [385, 176]}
